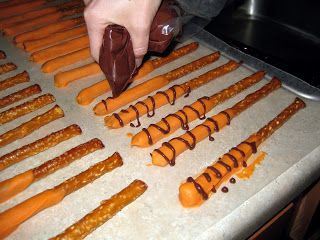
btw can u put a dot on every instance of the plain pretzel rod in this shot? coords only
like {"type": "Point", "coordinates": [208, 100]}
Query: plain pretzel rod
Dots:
{"type": "Point", "coordinates": [60, 49]}
{"type": "Point", "coordinates": [34, 23]}
{"type": "Point", "coordinates": [26, 107]}
{"type": "Point", "coordinates": [20, 182]}
{"type": "Point", "coordinates": [111, 104]}
{"type": "Point", "coordinates": [62, 79]}
{"type": "Point", "coordinates": [197, 110]}
{"type": "Point", "coordinates": [38, 44]}
{"type": "Point", "coordinates": [10, 21]}
{"type": "Point", "coordinates": [12, 81]}
{"type": "Point", "coordinates": [45, 31]}
{"type": "Point", "coordinates": [19, 95]}
{"type": "Point", "coordinates": [2, 55]}
{"type": "Point", "coordinates": [194, 192]}
{"type": "Point", "coordinates": [66, 60]}
{"type": "Point", "coordinates": [161, 98]}
{"type": "Point", "coordinates": [13, 217]}
{"type": "Point", "coordinates": [30, 126]}
{"type": "Point", "coordinates": [107, 209]}
{"type": "Point", "coordinates": [170, 150]}
{"type": "Point", "coordinates": [39, 145]}
{"type": "Point", "coordinates": [7, 67]}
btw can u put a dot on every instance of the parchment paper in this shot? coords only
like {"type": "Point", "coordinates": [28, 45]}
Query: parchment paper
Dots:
{"type": "Point", "coordinates": [157, 214]}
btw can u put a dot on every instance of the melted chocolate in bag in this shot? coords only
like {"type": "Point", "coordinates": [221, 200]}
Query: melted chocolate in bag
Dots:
{"type": "Point", "coordinates": [117, 59]}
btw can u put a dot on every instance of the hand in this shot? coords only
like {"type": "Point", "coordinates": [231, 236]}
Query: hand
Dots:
{"type": "Point", "coordinates": [135, 15]}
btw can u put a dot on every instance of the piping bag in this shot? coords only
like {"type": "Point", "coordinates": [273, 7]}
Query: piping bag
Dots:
{"type": "Point", "coordinates": [117, 60]}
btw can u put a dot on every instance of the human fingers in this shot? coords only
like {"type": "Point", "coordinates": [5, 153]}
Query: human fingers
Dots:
{"type": "Point", "coordinates": [95, 26]}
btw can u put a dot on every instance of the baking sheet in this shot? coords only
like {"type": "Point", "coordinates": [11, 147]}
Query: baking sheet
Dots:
{"type": "Point", "coordinates": [157, 214]}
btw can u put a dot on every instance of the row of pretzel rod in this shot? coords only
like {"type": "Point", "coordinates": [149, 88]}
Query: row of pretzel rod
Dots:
{"type": "Point", "coordinates": [62, 40]}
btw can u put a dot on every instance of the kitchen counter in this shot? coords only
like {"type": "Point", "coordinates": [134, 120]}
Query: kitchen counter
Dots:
{"type": "Point", "coordinates": [292, 162]}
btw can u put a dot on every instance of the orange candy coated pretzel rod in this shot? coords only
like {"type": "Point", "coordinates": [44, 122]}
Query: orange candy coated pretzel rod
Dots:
{"type": "Point", "coordinates": [11, 2]}
{"type": "Point", "coordinates": [87, 95]}
{"type": "Point", "coordinates": [35, 45]}
{"type": "Point", "coordinates": [25, 108]}
{"type": "Point", "coordinates": [12, 81]}
{"type": "Point", "coordinates": [18, 183]}
{"type": "Point", "coordinates": [187, 114]}
{"type": "Point", "coordinates": [107, 209]}
{"type": "Point", "coordinates": [65, 60]}
{"type": "Point", "coordinates": [61, 49]}
{"type": "Point", "coordinates": [11, 21]}
{"type": "Point", "coordinates": [2, 55]}
{"type": "Point", "coordinates": [62, 79]}
{"type": "Point", "coordinates": [111, 104]}
{"type": "Point", "coordinates": [49, 29]}
{"type": "Point", "coordinates": [39, 145]}
{"type": "Point", "coordinates": [7, 67]}
{"type": "Point", "coordinates": [168, 96]}
{"type": "Point", "coordinates": [19, 95]}
{"type": "Point", "coordinates": [34, 23]}
{"type": "Point", "coordinates": [19, 9]}
{"type": "Point", "coordinates": [168, 152]}
{"type": "Point", "coordinates": [195, 191]}
{"type": "Point", "coordinates": [13, 217]}
{"type": "Point", "coordinates": [30, 126]}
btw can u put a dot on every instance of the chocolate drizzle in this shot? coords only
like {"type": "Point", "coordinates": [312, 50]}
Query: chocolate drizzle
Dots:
{"type": "Point", "coordinates": [162, 130]}
{"type": "Point", "coordinates": [163, 155]}
{"type": "Point", "coordinates": [252, 145]}
{"type": "Point", "coordinates": [232, 180]}
{"type": "Point", "coordinates": [171, 161]}
{"type": "Point", "coordinates": [191, 145]}
{"type": "Point", "coordinates": [137, 117]}
{"type": "Point", "coordinates": [153, 107]}
{"type": "Point", "coordinates": [146, 106]}
{"type": "Point", "coordinates": [238, 150]}
{"type": "Point", "coordinates": [200, 100]}
{"type": "Point", "coordinates": [188, 92]}
{"type": "Point", "coordinates": [148, 135]}
{"type": "Point", "coordinates": [244, 164]}
{"type": "Point", "coordinates": [104, 102]}
{"type": "Point", "coordinates": [216, 126]}
{"type": "Point", "coordinates": [224, 189]}
{"type": "Point", "coordinates": [216, 171]}
{"type": "Point", "coordinates": [226, 166]}
{"type": "Point", "coordinates": [198, 188]}
{"type": "Point", "coordinates": [234, 160]}
{"type": "Point", "coordinates": [184, 125]}
{"type": "Point", "coordinates": [116, 115]}
{"type": "Point", "coordinates": [174, 94]}
{"type": "Point", "coordinates": [151, 113]}
{"type": "Point", "coordinates": [207, 176]}
{"type": "Point", "coordinates": [165, 95]}
{"type": "Point", "coordinates": [227, 116]}
{"type": "Point", "coordinates": [209, 131]}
